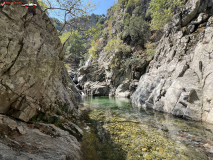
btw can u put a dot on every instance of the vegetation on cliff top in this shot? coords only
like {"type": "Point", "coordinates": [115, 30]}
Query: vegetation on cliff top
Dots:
{"type": "Point", "coordinates": [162, 11]}
{"type": "Point", "coordinates": [132, 30]}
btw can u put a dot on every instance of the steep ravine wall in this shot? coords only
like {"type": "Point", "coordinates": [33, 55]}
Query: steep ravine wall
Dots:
{"type": "Point", "coordinates": [179, 79]}
{"type": "Point", "coordinates": [31, 64]}
{"type": "Point", "coordinates": [33, 80]}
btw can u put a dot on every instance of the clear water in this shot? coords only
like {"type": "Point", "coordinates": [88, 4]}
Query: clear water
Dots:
{"type": "Point", "coordinates": [114, 130]}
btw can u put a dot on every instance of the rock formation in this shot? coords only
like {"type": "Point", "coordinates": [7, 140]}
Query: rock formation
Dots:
{"type": "Point", "coordinates": [116, 71]}
{"type": "Point", "coordinates": [33, 80]}
{"type": "Point", "coordinates": [179, 78]}
{"type": "Point", "coordinates": [31, 66]}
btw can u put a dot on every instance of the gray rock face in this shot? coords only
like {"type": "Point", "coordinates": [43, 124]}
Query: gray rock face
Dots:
{"type": "Point", "coordinates": [33, 79]}
{"type": "Point", "coordinates": [96, 88]}
{"type": "Point", "coordinates": [31, 64]}
{"type": "Point", "coordinates": [123, 89]}
{"type": "Point", "coordinates": [107, 74]}
{"type": "Point", "coordinates": [180, 79]}
{"type": "Point", "coordinates": [44, 142]}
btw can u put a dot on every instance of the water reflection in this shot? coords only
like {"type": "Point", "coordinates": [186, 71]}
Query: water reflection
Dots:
{"type": "Point", "coordinates": [142, 134]}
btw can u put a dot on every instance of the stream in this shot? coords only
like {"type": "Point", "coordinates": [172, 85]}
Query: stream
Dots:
{"type": "Point", "coordinates": [114, 130]}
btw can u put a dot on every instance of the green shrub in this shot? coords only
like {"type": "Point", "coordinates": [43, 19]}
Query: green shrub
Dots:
{"type": "Point", "coordinates": [112, 44]}
{"type": "Point", "coordinates": [64, 36]}
{"type": "Point", "coordinates": [118, 5]}
{"type": "Point", "coordinates": [67, 66]}
{"type": "Point", "coordinates": [95, 32]}
{"type": "Point", "coordinates": [150, 50]}
{"type": "Point", "coordinates": [117, 45]}
{"type": "Point", "coordinates": [134, 60]}
{"type": "Point", "coordinates": [75, 46]}
{"type": "Point", "coordinates": [131, 5]}
{"type": "Point", "coordinates": [136, 30]}
{"type": "Point", "coordinates": [94, 49]}
{"type": "Point", "coordinates": [162, 11]}
{"type": "Point", "coordinates": [42, 5]}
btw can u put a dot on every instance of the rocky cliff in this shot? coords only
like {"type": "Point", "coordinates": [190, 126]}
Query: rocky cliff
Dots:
{"type": "Point", "coordinates": [117, 56]}
{"type": "Point", "coordinates": [179, 78]}
{"type": "Point", "coordinates": [33, 82]}
{"type": "Point", "coordinates": [169, 69]}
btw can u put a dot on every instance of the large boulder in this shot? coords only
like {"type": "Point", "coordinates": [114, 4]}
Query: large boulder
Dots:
{"type": "Point", "coordinates": [96, 88]}
{"type": "Point", "coordinates": [123, 89]}
{"type": "Point", "coordinates": [32, 77]}
{"type": "Point", "coordinates": [41, 141]}
{"type": "Point", "coordinates": [191, 9]}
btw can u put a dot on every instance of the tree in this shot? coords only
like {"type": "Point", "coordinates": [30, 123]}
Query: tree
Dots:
{"type": "Point", "coordinates": [70, 10]}
{"type": "Point", "coordinates": [95, 32]}
{"type": "Point", "coordinates": [75, 46]}
{"type": "Point", "coordinates": [162, 11]}
{"type": "Point", "coordinates": [136, 30]}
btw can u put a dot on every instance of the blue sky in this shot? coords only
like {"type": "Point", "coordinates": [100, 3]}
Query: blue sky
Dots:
{"type": "Point", "coordinates": [102, 6]}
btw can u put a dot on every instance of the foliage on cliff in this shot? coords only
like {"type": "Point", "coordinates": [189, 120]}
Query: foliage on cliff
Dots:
{"type": "Point", "coordinates": [162, 11]}
{"type": "Point", "coordinates": [127, 30]}
{"type": "Point", "coordinates": [77, 40]}
{"type": "Point", "coordinates": [131, 23]}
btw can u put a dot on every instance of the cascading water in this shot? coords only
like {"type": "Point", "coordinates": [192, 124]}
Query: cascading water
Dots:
{"type": "Point", "coordinates": [88, 60]}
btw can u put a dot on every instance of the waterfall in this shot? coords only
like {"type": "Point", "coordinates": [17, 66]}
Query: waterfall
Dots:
{"type": "Point", "coordinates": [88, 60]}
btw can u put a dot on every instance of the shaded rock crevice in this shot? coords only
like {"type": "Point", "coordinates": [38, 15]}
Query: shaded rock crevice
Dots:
{"type": "Point", "coordinates": [21, 43]}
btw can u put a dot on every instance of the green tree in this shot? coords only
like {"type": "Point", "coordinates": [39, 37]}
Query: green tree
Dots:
{"type": "Point", "coordinates": [95, 32]}
{"type": "Point", "coordinates": [162, 11]}
{"type": "Point", "coordinates": [42, 5]}
{"type": "Point", "coordinates": [69, 10]}
{"type": "Point", "coordinates": [64, 37]}
{"type": "Point", "coordinates": [93, 51]}
{"type": "Point", "coordinates": [136, 30]}
{"type": "Point", "coordinates": [75, 46]}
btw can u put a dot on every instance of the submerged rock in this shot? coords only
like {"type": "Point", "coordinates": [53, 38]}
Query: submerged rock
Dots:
{"type": "Point", "coordinates": [143, 134]}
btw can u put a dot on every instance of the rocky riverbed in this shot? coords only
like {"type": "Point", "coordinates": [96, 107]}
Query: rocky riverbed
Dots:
{"type": "Point", "coordinates": [115, 130]}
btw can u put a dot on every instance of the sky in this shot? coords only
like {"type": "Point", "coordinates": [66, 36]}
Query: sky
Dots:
{"type": "Point", "coordinates": [102, 6]}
